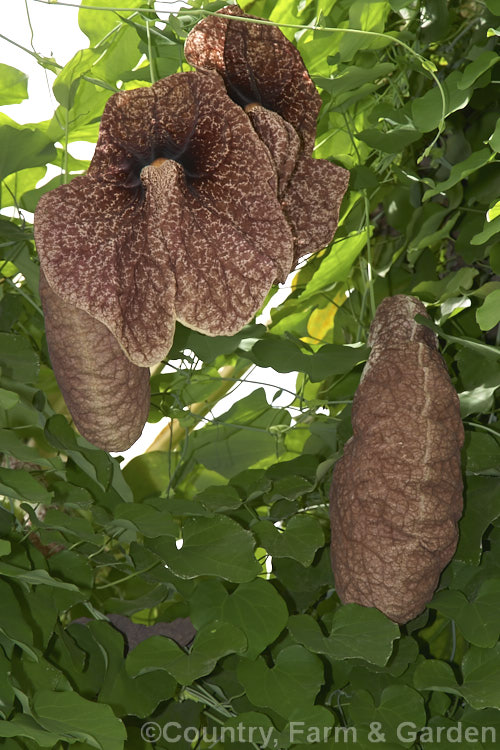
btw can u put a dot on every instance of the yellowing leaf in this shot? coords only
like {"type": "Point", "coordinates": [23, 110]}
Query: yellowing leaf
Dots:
{"type": "Point", "coordinates": [493, 212]}
{"type": "Point", "coordinates": [322, 319]}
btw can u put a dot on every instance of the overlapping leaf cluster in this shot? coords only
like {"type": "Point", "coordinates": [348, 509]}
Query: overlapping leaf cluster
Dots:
{"type": "Point", "coordinates": [412, 110]}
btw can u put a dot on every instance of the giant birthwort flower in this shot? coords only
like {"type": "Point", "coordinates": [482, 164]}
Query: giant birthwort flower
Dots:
{"type": "Point", "coordinates": [195, 202]}
{"type": "Point", "coordinates": [264, 73]}
{"type": "Point", "coordinates": [176, 218]}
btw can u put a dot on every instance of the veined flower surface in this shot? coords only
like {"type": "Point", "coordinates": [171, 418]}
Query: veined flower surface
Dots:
{"type": "Point", "coordinates": [201, 194]}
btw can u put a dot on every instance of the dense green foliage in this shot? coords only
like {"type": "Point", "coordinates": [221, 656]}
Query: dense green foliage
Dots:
{"type": "Point", "coordinates": [412, 110]}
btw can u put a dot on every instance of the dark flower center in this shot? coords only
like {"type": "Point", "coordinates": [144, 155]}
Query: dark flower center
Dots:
{"type": "Point", "coordinates": [244, 97]}
{"type": "Point", "coordinates": [159, 153]}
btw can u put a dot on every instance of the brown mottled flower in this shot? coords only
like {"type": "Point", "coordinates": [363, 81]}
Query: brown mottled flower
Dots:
{"type": "Point", "coordinates": [176, 218]}
{"type": "Point", "coordinates": [195, 202]}
{"type": "Point", "coordinates": [265, 75]}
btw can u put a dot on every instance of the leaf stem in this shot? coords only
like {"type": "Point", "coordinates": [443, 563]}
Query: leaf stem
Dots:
{"type": "Point", "coordinates": [174, 432]}
{"type": "Point", "coordinates": [45, 62]}
{"type": "Point", "coordinates": [152, 66]}
{"type": "Point", "coordinates": [66, 142]}
{"type": "Point", "coordinates": [131, 575]}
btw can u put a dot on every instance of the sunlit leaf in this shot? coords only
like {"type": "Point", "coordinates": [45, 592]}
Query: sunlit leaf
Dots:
{"type": "Point", "coordinates": [480, 65]}
{"type": "Point", "coordinates": [22, 147]}
{"type": "Point", "coordinates": [13, 85]}
{"type": "Point", "coordinates": [488, 315]}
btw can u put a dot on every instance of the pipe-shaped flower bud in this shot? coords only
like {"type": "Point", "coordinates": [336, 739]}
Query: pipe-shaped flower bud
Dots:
{"type": "Point", "coordinates": [396, 495]}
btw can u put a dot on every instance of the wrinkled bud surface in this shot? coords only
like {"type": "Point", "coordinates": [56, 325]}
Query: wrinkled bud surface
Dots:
{"type": "Point", "coordinates": [396, 494]}
{"type": "Point", "coordinates": [109, 404]}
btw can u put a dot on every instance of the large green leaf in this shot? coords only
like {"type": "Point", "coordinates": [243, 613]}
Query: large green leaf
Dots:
{"type": "Point", "coordinates": [255, 608]}
{"type": "Point", "coordinates": [395, 139]}
{"type": "Point", "coordinates": [13, 85]}
{"type": "Point", "coordinates": [259, 611]}
{"type": "Point", "coordinates": [482, 453]}
{"type": "Point", "coordinates": [18, 184]}
{"type": "Point", "coordinates": [216, 545]}
{"type": "Point", "coordinates": [150, 473]}
{"type": "Point", "coordinates": [242, 437]}
{"type": "Point", "coordinates": [67, 81]}
{"type": "Point", "coordinates": [397, 703]}
{"type": "Point", "coordinates": [34, 577]}
{"type": "Point", "coordinates": [353, 77]}
{"type": "Point", "coordinates": [494, 139]}
{"type": "Point", "coordinates": [426, 110]}
{"type": "Point", "coordinates": [460, 171]}
{"type": "Point", "coordinates": [433, 674]}
{"type": "Point", "coordinates": [290, 685]}
{"type": "Point", "coordinates": [356, 633]}
{"type": "Point", "coordinates": [480, 65]}
{"type": "Point", "coordinates": [11, 444]}
{"type": "Point", "coordinates": [148, 520]}
{"type": "Point", "coordinates": [23, 147]}
{"type": "Point", "coordinates": [21, 485]}
{"type": "Point", "coordinates": [17, 358]}
{"type": "Point", "coordinates": [480, 669]}
{"type": "Point", "coordinates": [338, 264]}
{"type": "Point", "coordinates": [138, 696]}
{"type": "Point", "coordinates": [8, 399]}
{"type": "Point", "coordinates": [284, 355]}
{"type": "Point", "coordinates": [211, 643]}
{"type": "Point", "coordinates": [481, 508]}
{"type": "Point", "coordinates": [254, 725]}
{"type": "Point", "coordinates": [14, 626]}
{"type": "Point", "coordinates": [73, 717]}
{"type": "Point", "coordinates": [300, 540]}
{"type": "Point", "coordinates": [369, 17]}
{"type": "Point", "coordinates": [479, 619]}
{"type": "Point", "coordinates": [488, 315]}
{"type": "Point", "coordinates": [25, 726]}
{"type": "Point", "coordinates": [96, 24]}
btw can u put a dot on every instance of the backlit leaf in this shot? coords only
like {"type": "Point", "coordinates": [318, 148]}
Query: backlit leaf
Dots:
{"type": "Point", "coordinates": [13, 85]}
